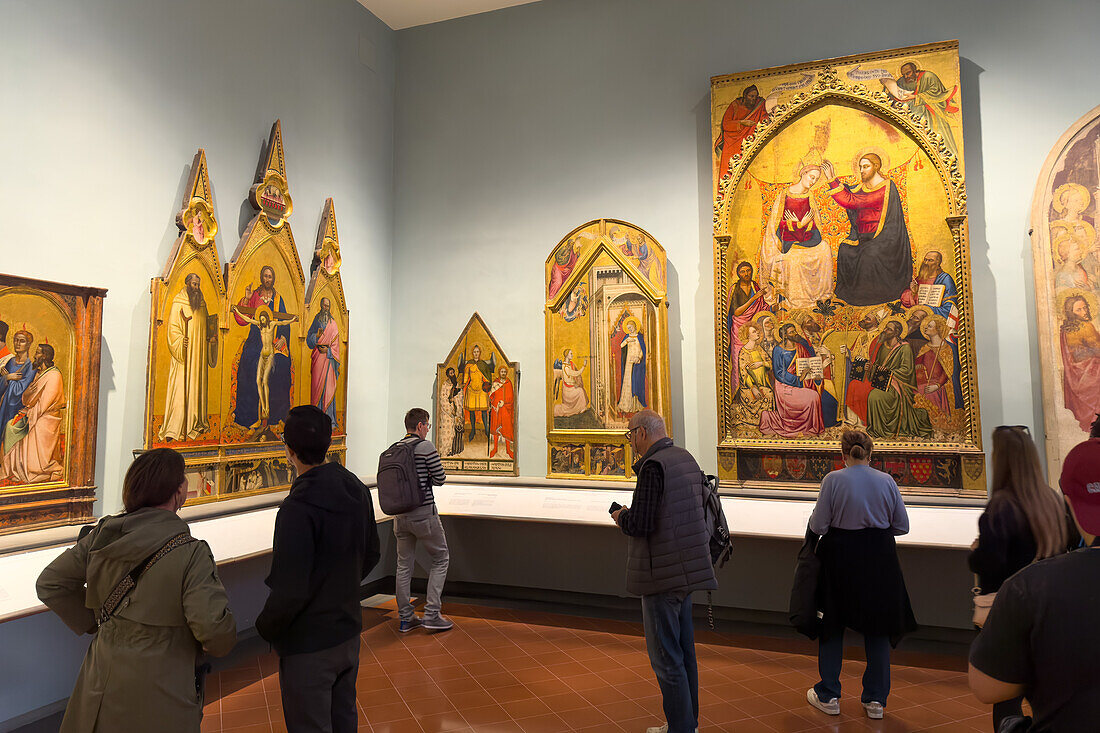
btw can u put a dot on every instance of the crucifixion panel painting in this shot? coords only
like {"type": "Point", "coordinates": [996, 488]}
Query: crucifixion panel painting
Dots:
{"type": "Point", "coordinates": [842, 271]}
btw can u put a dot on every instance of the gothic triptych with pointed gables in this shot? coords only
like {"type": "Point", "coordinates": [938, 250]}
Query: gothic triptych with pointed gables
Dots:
{"type": "Point", "coordinates": [231, 353]}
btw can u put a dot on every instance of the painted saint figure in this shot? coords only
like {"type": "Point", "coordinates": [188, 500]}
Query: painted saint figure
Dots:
{"type": "Point", "coordinates": [875, 264]}
{"type": "Point", "coordinates": [629, 349]}
{"type": "Point", "coordinates": [577, 304]}
{"type": "Point", "coordinates": [246, 412]}
{"type": "Point", "coordinates": [477, 377]}
{"type": "Point", "coordinates": [450, 415]}
{"type": "Point", "coordinates": [890, 409]}
{"type": "Point", "coordinates": [798, 402]}
{"type": "Point", "coordinates": [565, 259]}
{"type": "Point", "coordinates": [931, 273]}
{"type": "Point", "coordinates": [747, 300]}
{"type": "Point", "coordinates": [923, 92]}
{"type": "Point", "coordinates": [755, 394]}
{"type": "Point", "coordinates": [935, 364]}
{"type": "Point", "coordinates": [739, 121]}
{"type": "Point", "coordinates": [270, 346]}
{"type": "Point", "coordinates": [1080, 343]}
{"type": "Point", "coordinates": [502, 414]}
{"type": "Point", "coordinates": [192, 336]}
{"type": "Point", "coordinates": [569, 386]}
{"type": "Point", "coordinates": [32, 439]}
{"type": "Point", "coordinates": [792, 254]}
{"type": "Point", "coordinates": [15, 376]}
{"type": "Point", "coordinates": [323, 338]}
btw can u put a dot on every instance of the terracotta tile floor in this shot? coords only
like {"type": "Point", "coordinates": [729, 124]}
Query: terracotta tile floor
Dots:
{"type": "Point", "coordinates": [502, 670]}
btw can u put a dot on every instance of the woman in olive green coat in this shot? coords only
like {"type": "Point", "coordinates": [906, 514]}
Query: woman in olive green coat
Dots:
{"type": "Point", "coordinates": [139, 673]}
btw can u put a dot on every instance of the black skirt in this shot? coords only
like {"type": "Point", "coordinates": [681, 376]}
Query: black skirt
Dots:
{"type": "Point", "coordinates": [861, 585]}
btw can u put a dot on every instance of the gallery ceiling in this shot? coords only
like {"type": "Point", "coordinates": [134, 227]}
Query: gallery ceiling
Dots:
{"type": "Point", "coordinates": [398, 14]}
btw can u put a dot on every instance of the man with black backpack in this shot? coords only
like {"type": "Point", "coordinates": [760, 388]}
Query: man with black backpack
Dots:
{"type": "Point", "coordinates": [668, 557]}
{"type": "Point", "coordinates": [415, 518]}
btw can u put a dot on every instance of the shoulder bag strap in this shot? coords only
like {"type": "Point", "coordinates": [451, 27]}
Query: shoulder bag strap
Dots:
{"type": "Point", "coordinates": [130, 579]}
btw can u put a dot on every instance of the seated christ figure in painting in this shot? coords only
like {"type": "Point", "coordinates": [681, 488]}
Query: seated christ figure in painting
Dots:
{"type": "Point", "coordinates": [875, 264]}
{"type": "Point", "coordinates": [792, 255]}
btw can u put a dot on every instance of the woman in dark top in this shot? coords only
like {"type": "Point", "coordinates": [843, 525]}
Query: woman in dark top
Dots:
{"type": "Point", "coordinates": [859, 511]}
{"type": "Point", "coordinates": [1024, 521]}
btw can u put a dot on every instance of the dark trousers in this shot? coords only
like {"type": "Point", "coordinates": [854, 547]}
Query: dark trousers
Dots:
{"type": "Point", "coordinates": [670, 641]}
{"type": "Point", "coordinates": [876, 676]}
{"type": "Point", "coordinates": [1005, 708]}
{"type": "Point", "coordinates": [318, 689]}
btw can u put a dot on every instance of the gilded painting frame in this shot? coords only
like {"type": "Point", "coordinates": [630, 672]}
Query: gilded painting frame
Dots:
{"type": "Point", "coordinates": [498, 421]}
{"type": "Point", "coordinates": [48, 432]}
{"type": "Point", "coordinates": [1064, 216]}
{"type": "Point", "coordinates": [806, 99]}
{"type": "Point", "coordinates": [606, 294]}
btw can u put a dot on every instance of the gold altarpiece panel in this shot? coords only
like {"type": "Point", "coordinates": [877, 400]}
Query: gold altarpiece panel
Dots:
{"type": "Point", "coordinates": [476, 405]}
{"type": "Point", "coordinates": [231, 353]}
{"type": "Point", "coordinates": [842, 272]}
{"type": "Point", "coordinates": [606, 346]}
{"type": "Point", "coordinates": [1064, 215]}
{"type": "Point", "coordinates": [50, 336]}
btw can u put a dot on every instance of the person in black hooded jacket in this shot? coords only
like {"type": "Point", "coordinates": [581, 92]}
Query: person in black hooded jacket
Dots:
{"type": "Point", "coordinates": [326, 543]}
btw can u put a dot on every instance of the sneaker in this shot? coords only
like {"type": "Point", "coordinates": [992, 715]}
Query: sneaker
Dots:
{"type": "Point", "coordinates": [658, 729]}
{"type": "Point", "coordinates": [408, 625]}
{"type": "Point", "coordinates": [830, 707]}
{"type": "Point", "coordinates": [439, 623]}
{"type": "Point", "coordinates": [873, 709]}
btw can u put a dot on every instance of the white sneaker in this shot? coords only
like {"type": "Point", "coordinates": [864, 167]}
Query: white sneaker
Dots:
{"type": "Point", "coordinates": [873, 709]}
{"type": "Point", "coordinates": [658, 729]}
{"type": "Point", "coordinates": [831, 707]}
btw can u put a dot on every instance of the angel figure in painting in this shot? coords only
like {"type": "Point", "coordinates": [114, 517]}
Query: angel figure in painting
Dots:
{"type": "Point", "coordinates": [32, 438]}
{"type": "Point", "coordinates": [1080, 344]}
{"type": "Point", "coordinates": [270, 345]}
{"type": "Point", "coordinates": [450, 415]}
{"type": "Point", "coordinates": [569, 386]}
{"type": "Point", "coordinates": [502, 414]}
{"type": "Point", "coordinates": [793, 254]}
{"type": "Point", "coordinates": [628, 348]}
{"type": "Point", "coordinates": [192, 336]}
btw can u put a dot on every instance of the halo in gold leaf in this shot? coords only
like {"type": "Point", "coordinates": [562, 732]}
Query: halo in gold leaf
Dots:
{"type": "Point", "coordinates": [1059, 202]}
{"type": "Point", "coordinates": [883, 156]}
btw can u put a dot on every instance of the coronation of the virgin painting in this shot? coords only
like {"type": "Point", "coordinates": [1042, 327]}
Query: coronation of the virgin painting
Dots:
{"type": "Point", "coordinates": [231, 354]}
{"type": "Point", "coordinates": [49, 396]}
{"type": "Point", "coordinates": [842, 271]}
{"type": "Point", "coordinates": [476, 418]}
{"type": "Point", "coordinates": [606, 345]}
{"type": "Point", "coordinates": [1067, 284]}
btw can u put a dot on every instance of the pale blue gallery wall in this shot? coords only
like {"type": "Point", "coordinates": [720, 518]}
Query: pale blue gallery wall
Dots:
{"type": "Point", "coordinates": [514, 127]}
{"type": "Point", "coordinates": [103, 107]}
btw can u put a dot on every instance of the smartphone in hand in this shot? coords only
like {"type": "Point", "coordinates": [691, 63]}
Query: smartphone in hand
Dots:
{"type": "Point", "coordinates": [615, 506]}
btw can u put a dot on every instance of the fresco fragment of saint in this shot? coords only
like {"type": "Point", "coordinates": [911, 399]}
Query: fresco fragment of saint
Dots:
{"type": "Point", "coordinates": [606, 326]}
{"type": "Point", "coordinates": [475, 408]}
{"type": "Point", "coordinates": [1067, 285]}
{"type": "Point", "coordinates": [840, 238]}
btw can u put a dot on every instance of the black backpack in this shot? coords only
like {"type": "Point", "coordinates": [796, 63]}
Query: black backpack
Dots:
{"type": "Point", "coordinates": [398, 484]}
{"type": "Point", "coordinates": [721, 545]}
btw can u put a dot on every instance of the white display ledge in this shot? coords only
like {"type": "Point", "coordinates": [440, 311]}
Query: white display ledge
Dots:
{"type": "Point", "coordinates": [239, 536]}
{"type": "Point", "coordinates": [951, 528]}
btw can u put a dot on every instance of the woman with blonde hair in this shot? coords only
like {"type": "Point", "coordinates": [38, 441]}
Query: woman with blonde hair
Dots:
{"type": "Point", "coordinates": [1025, 520]}
{"type": "Point", "coordinates": [859, 511]}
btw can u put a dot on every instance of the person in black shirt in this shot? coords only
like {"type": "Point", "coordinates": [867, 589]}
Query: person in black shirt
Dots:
{"type": "Point", "coordinates": [1023, 521]}
{"type": "Point", "coordinates": [1039, 641]}
{"type": "Point", "coordinates": [326, 542]}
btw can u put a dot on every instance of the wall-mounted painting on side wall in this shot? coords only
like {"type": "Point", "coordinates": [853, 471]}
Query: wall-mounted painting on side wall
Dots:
{"type": "Point", "coordinates": [476, 405]}
{"type": "Point", "coordinates": [1064, 215]}
{"type": "Point", "coordinates": [606, 345]}
{"type": "Point", "coordinates": [842, 271]}
{"type": "Point", "coordinates": [50, 337]}
{"type": "Point", "coordinates": [232, 351]}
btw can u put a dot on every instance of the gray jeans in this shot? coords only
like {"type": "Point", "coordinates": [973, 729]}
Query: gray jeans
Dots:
{"type": "Point", "coordinates": [420, 525]}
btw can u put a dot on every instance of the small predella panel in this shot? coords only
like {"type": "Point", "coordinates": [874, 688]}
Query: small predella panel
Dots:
{"type": "Point", "coordinates": [1064, 216]}
{"type": "Point", "coordinates": [842, 271]}
{"type": "Point", "coordinates": [50, 337]}
{"type": "Point", "coordinates": [606, 345]}
{"type": "Point", "coordinates": [231, 353]}
{"type": "Point", "coordinates": [476, 409]}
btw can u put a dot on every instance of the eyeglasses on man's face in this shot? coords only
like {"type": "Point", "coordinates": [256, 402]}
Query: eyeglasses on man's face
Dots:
{"type": "Point", "coordinates": [630, 433]}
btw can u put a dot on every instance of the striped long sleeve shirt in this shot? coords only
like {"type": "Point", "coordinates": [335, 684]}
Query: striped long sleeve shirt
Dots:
{"type": "Point", "coordinates": [429, 469]}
